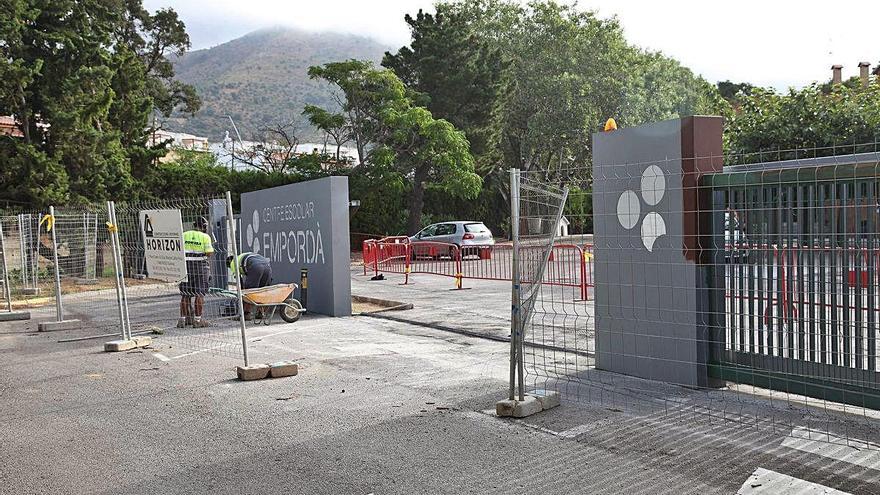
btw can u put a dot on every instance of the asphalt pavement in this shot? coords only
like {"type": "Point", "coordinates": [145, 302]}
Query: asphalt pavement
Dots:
{"type": "Point", "coordinates": [379, 406]}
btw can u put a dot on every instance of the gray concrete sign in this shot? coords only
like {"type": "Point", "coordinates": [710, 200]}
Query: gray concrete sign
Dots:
{"type": "Point", "coordinates": [650, 311]}
{"type": "Point", "coordinates": [304, 225]}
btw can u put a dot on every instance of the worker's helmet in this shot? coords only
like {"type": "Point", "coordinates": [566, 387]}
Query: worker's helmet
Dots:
{"type": "Point", "coordinates": [202, 223]}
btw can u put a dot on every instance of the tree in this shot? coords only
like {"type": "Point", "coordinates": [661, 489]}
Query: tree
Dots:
{"type": "Point", "coordinates": [569, 72]}
{"type": "Point", "coordinates": [272, 149]}
{"type": "Point", "coordinates": [458, 75]}
{"type": "Point", "coordinates": [81, 78]}
{"type": "Point", "coordinates": [804, 123]}
{"type": "Point", "coordinates": [393, 134]}
{"type": "Point", "coordinates": [333, 125]}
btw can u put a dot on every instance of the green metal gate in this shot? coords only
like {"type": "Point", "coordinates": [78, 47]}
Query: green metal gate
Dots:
{"type": "Point", "coordinates": [794, 290]}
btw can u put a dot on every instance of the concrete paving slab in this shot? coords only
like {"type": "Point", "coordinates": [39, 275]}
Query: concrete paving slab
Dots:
{"type": "Point", "coordinates": [253, 372]}
{"type": "Point", "coordinates": [281, 369]}
{"type": "Point", "coordinates": [54, 326]}
{"type": "Point", "coordinates": [14, 315]}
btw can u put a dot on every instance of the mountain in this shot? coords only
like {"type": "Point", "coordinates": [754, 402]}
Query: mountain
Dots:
{"type": "Point", "coordinates": [262, 78]}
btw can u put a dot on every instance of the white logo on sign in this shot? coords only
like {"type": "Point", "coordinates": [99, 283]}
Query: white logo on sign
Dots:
{"type": "Point", "coordinates": [653, 187]}
{"type": "Point", "coordinates": [253, 233]}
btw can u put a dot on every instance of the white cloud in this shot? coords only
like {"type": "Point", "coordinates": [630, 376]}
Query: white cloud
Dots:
{"type": "Point", "coordinates": [778, 43]}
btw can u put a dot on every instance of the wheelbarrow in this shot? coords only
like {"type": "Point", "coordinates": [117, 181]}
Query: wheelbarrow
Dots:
{"type": "Point", "coordinates": [269, 300]}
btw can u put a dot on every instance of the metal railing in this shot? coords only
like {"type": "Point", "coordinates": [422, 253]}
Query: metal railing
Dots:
{"type": "Point", "coordinates": [569, 265]}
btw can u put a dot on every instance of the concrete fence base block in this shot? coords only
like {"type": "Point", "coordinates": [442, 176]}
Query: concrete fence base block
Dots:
{"type": "Point", "coordinates": [517, 408]}
{"type": "Point", "coordinates": [253, 372]}
{"type": "Point", "coordinates": [548, 398]}
{"type": "Point", "coordinates": [15, 315]}
{"type": "Point", "coordinates": [85, 281]}
{"type": "Point", "coordinates": [142, 340]}
{"type": "Point", "coordinates": [30, 291]}
{"type": "Point", "coordinates": [283, 368]}
{"type": "Point", "coordinates": [53, 326]}
{"type": "Point", "coordinates": [119, 345]}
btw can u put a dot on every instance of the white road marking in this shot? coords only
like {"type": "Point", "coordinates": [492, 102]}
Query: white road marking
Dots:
{"type": "Point", "coordinates": [853, 451]}
{"type": "Point", "coordinates": [161, 357]}
{"type": "Point", "coordinates": [771, 482]}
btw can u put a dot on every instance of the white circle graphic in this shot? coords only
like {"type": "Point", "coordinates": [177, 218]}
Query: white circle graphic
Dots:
{"type": "Point", "coordinates": [628, 209]}
{"type": "Point", "coordinates": [653, 227]}
{"type": "Point", "coordinates": [653, 185]}
{"type": "Point", "coordinates": [250, 235]}
{"type": "Point", "coordinates": [256, 221]}
{"type": "Point", "coordinates": [256, 247]}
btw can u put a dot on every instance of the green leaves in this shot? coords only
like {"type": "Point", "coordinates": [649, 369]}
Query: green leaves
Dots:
{"type": "Point", "coordinates": [82, 79]}
{"type": "Point", "coordinates": [813, 121]}
{"type": "Point", "coordinates": [394, 134]}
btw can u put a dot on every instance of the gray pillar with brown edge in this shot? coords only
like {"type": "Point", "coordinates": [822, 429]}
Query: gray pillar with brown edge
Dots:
{"type": "Point", "coordinates": [652, 234]}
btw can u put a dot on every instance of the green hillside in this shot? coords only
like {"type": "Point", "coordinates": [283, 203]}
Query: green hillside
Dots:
{"type": "Point", "coordinates": [262, 78]}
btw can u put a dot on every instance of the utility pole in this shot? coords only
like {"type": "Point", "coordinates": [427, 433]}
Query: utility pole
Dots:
{"type": "Point", "coordinates": [234, 128]}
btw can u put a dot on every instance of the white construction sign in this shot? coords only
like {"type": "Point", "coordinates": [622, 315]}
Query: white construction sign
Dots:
{"type": "Point", "coordinates": [163, 244]}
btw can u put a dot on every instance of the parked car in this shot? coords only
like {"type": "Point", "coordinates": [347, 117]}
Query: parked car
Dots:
{"type": "Point", "coordinates": [467, 235]}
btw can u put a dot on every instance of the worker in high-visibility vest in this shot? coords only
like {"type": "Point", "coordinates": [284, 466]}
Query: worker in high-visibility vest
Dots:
{"type": "Point", "coordinates": [253, 271]}
{"type": "Point", "coordinates": [199, 249]}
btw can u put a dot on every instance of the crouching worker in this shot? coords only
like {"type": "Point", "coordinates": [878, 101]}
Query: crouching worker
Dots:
{"type": "Point", "coordinates": [254, 271]}
{"type": "Point", "coordinates": [199, 249]}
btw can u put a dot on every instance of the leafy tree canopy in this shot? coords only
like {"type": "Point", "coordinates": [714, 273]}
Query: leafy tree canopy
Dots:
{"type": "Point", "coordinates": [392, 133]}
{"type": "Point", "coordinates": [804, 123]}
{"type": "Point", "coordinates": [82, 79]}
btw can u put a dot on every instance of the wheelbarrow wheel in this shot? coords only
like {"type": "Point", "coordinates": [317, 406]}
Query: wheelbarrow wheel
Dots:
{"type": "Point", "coordinates": [289, 312]}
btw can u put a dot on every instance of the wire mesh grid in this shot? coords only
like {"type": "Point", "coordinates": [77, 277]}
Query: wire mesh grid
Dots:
{"type": "Point", "coordinates": [30, 267]}
{"type": "Point", "coordinates": [192, 313]}
{"type": "Point", "coordinates": [777, 274]}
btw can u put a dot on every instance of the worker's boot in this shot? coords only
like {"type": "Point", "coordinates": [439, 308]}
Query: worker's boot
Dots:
{"type": "Point", "coordinates": [189, 321]}
{"type": "Point", "coordinates": [199, 322]}
{"type": "Point", "coordinates": [181, 322]}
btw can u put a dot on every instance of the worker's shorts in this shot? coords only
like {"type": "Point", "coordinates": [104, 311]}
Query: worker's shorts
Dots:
{"type": "Point", "coordinates": [198, 275]}
{"type": "Point", "coordinates": [258, 275]}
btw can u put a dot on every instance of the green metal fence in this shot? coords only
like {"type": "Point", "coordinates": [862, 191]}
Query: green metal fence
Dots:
{"type": "Point", "coordinates": [795, 265]}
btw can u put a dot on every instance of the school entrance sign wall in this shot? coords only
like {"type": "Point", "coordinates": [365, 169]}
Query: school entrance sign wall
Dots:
{"type": "Point", "coordinates": [163, 244]}
{"type": "Point", "coordinates": [304, 225]}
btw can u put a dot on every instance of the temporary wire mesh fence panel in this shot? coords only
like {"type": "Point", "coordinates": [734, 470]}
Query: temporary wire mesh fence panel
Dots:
{"type": "Point", "coordinates": [86, 272]}
{"type": "Point", "coordinates": [548, 288]}
{"type": "Point", "coordinates": [197, 312]}
{"type": "Point", "coordinates": [751, 296]}
{"type": "Point", "coordinates": [29, 260]}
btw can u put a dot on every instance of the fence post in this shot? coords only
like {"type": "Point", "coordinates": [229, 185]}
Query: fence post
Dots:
{"type": "Point", "coordinates": [376, 259]}
{"type": "Point", "coordinates": [407, 254]}
{"type": "Point", "coordinates": [59, 308]}
{"type": "Point", "coordinates": [514, 294]}
{"type": "Point", "coordinates": [23, 259]}
{"type": "Point", "coordinates": [6, 292]}
{"type": "Point", "coordinates": [112, 228]}
{"type": "Point", "coordinates": [231, 223]}
{"type": "Point", "coordinates": [364, 255]}
{"type": "Point", "coordinates": [459, 272]}
{"type": "Point", "coordinates": [127, 322]}
{"type": "Point", "coordinates": [583, 274]}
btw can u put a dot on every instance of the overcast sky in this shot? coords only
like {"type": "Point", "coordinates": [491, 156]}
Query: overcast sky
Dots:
{"type": "Point", "coordinates": [776, 43]}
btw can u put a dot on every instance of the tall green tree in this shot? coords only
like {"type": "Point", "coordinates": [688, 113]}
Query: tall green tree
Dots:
{"type": "Point", "coordinates": [395, 135]}
{"type": "Point", "coordinates": [571, 70]}
{"type": "Point", "coordinates": [804, 123]}
{"type": "Point", "coordinates": [81, 79]}
{"type": "Point", "coordinates": [462, 77]}
{"type": "Point", "coordinates": [458, 75]}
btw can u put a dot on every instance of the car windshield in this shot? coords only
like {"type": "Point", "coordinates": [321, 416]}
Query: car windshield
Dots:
{"type": "Point", "coordinates": [475, 228]}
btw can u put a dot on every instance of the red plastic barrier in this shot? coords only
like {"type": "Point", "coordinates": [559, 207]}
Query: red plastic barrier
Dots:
{"type": "Point", "coordinates": [569, 265]}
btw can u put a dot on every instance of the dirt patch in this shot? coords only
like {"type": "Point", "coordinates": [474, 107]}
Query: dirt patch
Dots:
{"type": "Point", "coordinates": [365, 307]}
